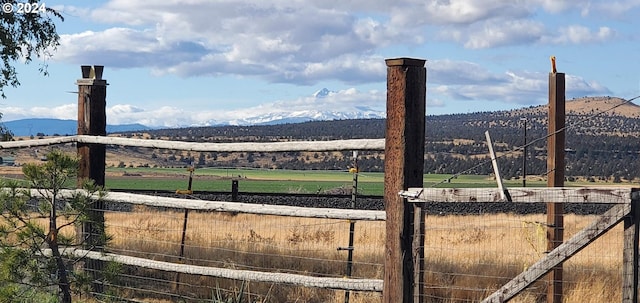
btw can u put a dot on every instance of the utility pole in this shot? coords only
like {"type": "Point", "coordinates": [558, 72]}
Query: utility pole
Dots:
{"type": "Point", "coordinates": [524, 154]}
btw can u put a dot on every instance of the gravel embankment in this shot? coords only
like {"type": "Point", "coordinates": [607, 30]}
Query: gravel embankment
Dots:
{"type": "Point", "coordinates": [377, 203]}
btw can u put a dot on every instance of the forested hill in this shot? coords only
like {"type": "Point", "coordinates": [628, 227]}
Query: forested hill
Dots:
{"type": "Point", "coordinates": [602, 138]}
{"type": "Point", "coordinates": [313, 130]}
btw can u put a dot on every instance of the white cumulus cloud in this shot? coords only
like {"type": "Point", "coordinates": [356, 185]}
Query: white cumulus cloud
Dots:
{"type": "Point", "coordinates": [577, 34]}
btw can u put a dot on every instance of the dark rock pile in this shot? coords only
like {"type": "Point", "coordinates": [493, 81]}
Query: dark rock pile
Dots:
{"type": "Point", "coordinates": [377, 203]}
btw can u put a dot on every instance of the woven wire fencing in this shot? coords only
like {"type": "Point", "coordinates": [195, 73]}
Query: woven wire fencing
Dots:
{"type": "Point", "coordinates": [206, 254]}
{"type": "Point", "coordinates": [199, 251]}
{"type": "Point", "coordinates": [474, 248]}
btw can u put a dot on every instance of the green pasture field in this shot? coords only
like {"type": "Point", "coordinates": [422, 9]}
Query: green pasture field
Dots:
{"type": "Point", "coordinates": [278, 181]}
{"type": "Point", "coordinates": [249, 180]}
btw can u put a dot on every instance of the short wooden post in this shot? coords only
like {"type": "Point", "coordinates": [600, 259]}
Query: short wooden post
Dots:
{"type": "Point", "coordinates": [183, 239]}
{"type": "Point", "coordinates": [555, 178]}
{"type": "Point", "coordinates": [403, 168]}
{"type": "Point", "coordinates": [92, 121]}
{"type": "Point", "coordinates": [630, 258]}
{"type": "Point", "coordinates": [234, 190]}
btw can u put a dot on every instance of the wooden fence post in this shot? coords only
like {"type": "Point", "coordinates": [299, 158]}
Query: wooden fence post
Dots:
{"type": "Point", "coordinates": [403, 168]}
{"type": "Point", "coordinates": [234, 190]}
{"type": "Point", "coordinates": [555, 178]}
{"type": "Point", "coordinates": [92, 121]}
{"type": "Point", "coordinates": [630, 257]}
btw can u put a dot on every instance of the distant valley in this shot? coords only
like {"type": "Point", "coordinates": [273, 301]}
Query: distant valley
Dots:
{"type": "Point", "coordinates": [602, 143]}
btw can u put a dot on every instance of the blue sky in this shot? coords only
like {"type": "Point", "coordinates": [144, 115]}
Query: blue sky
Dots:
{"type": "Point", "coordinates": [178, 63]}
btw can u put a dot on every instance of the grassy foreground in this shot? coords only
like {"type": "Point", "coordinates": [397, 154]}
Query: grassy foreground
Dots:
{"type": "Point", "coordinates": [468, 257]}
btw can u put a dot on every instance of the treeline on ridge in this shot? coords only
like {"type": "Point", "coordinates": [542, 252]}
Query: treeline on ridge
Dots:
{"type": "Point", "coordinates": [604, 147]}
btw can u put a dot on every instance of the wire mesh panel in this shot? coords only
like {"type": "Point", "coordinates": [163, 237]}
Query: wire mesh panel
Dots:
{"type": "Point", "coordinates": [595, 273]}
{"type": "Point", "coordinates": [472, 249]}
{"type": "Point", "coordinates": [469, 255]}
{"type": "Point", "coordinates": [247, 244]}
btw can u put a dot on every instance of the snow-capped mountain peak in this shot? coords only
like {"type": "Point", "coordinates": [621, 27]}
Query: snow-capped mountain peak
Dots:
{"type": "Point", "coordinates": [308, 115]}
{"type": "Point", "coordinates": [324, 108]}
{"type": "Point", "coordinates": [323, 105]}
{"type": "Point", "coordinates": [323, 93]}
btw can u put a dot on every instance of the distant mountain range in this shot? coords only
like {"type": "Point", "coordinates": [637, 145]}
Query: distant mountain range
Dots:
{"type": "Point", "coordinates": [601, 140]}
{"type": "Point", "coordinates": [28, 127]}
{"type": "Point", "coordinates": [50, 127]}
{"type": "Point", "coordinates": [35, 127]}
{"type": "Point", "coordinates": [305, 116]}
{"type": "Point", "coordinates": [288, 117]}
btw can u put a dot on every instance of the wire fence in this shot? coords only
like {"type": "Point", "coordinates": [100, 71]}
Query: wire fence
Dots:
{"type": "Point", "coordinates": [176, 249]}
{"type": "Point", "coordinates": [473, 249]}
{"type": "Point", "coordinates": [471, 256]}
{"type": "Point", "coordinates": [278, 257]}
{"type": "Point", "coordinates": [166, 249]}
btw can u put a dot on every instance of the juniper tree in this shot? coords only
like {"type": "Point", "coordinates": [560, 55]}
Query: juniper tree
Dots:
{"type": "Point", "coordinates": [38, 226]}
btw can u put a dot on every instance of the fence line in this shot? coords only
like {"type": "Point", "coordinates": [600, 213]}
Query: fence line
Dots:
{"type": "Point", "coordinates": [351, 284]}
{"type": "Point", "coordinates": [622, 201]}
{"type": "Point", "coordinates": [609, 195]}
{"type": "Point", "coordinates": [374, 285]}
{"type": "Point", "coordinates": [335, 283]}
{"type": "Point", "coordinates": [605, 195]}
{"type": "Point", "coordinates": [560, 254]}
{"type": "Point", "coordinates": [405, 86]}
{"type": "Point", "coordinates": [249, 208]}
{"type": "Point", "coordinates": [333, 145]}
{"type": "Point", "coordinates": [38, 142]}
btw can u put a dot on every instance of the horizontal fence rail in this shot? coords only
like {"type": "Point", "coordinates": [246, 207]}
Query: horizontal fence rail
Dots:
{"type": "Point", "coordinates": [176, 264]}
{"type": "Point", "coordinates": [620, 198]}
{"type": "Point", "coordinates": [336, 283]}
{"type": "Point", "coordinates": [469, 241]}
{"type": "Point", "coordinates": [243, 275]}
{"type": "Point", "coordinates": [608, 195]}
{"type": "Point", "coordinates": [333, 145]}
{"type": "Point", "coordinates": [258, 209]}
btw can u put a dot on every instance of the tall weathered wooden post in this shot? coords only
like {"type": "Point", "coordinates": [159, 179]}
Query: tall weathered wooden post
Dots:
{"type": "Point", "coordinates": [630, 256]}
{"type": "Point", "coordinates": [92, 120]}
{"type": "Point", "coordinates": [555, 178]}
{"type": "Point", "coordinates": [404, 168]}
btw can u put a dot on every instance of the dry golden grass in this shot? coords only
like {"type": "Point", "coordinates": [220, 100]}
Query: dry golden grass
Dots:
{"type": "Point", "coordinates": [467, 257]}
{"type": "Point", "coordinates": [254, 242]}
{"type": "Point", "coordinates": [477, 254]}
